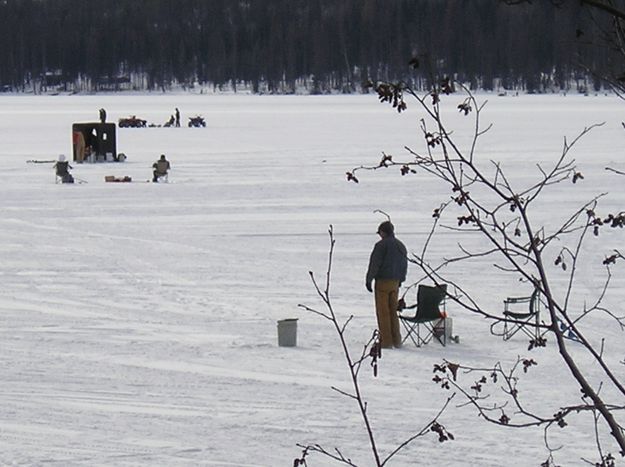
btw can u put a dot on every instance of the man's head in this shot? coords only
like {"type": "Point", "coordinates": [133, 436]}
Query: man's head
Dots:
{"type": "Point", "coordinates": [162, 157]}
{"type": "Point", "coordinates": [386, 229]}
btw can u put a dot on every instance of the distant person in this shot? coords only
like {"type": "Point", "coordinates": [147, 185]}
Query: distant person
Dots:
{"type": "Point", "coordinates": [171, 121]}
{"type": "Point", "coordinates": [93, 142]}
{"type": "Point", "coordinates": [161, 168]}
{"type": "Point", "coordinates": [62, 170]}
{"type": "Point", "coordinates": [388, 265]}
{"type": "Point", "coordinates": [79, 146]}
{"type": "Point", "coordinates": [177, 117]}
{"type": "Point", "coordinates": [102, 115]}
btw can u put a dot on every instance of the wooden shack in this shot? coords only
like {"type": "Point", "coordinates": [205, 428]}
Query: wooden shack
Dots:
{"type": "Point", "coordinates": [94, 142]}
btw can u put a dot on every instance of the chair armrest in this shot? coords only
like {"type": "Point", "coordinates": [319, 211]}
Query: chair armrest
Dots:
{"type": "Point", "coordinates": [518, 315]}
{"type": "Point", "coordinates": [517, 299]}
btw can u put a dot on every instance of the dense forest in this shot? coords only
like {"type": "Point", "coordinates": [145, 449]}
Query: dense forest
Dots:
{"type": "Point", "coordinates": [287, 45]}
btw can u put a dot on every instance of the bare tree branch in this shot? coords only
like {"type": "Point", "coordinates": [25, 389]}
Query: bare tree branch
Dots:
{"type": "Point", "coordinates": [502, 214]}
{"type": "Point", "coordinates": [371, 353]}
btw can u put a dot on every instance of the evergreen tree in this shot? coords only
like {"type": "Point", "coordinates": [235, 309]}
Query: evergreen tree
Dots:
{"type": "Point", "coordinates": [273, 44]}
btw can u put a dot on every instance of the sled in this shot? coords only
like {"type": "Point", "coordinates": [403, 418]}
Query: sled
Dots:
{"type": "Point", "coordinates": [114, 179]}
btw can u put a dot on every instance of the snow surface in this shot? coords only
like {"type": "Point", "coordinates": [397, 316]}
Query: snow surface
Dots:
{"type": "Point", "coordinates": [138, 320]}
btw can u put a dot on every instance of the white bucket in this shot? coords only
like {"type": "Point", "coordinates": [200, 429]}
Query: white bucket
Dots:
{"type": "Point", "coordinates": [287, 332]}
{"type": "Point", "coordinates": [444, 330]}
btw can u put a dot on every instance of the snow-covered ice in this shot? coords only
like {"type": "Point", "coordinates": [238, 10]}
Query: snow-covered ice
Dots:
{"type": "Point", "coordinates": [138, 320]}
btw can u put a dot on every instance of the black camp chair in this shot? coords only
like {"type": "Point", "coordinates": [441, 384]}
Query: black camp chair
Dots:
{"type": "Point", "coordinates": [519, 314]}
{"type": "Point", "coordinates": [428, 321]}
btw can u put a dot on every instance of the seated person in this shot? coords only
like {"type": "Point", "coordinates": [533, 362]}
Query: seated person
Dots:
{"type": "Point", "coordinates": [161, 167]}
{"type": "Point", "coordinates": [62, 170]}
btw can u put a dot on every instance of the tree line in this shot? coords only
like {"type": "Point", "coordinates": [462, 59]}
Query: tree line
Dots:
{"type": "Point", "coordinates": [286, 45]}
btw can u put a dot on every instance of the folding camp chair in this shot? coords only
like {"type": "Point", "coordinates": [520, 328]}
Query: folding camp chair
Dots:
{"type": "Point", "coordinates": [428, 321]}
{"type": "Point", "coordinates": [519, 314]}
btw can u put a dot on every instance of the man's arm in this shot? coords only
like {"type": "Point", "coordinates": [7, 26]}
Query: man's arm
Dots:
{"type": "Point", "coordinates": [375, 262]}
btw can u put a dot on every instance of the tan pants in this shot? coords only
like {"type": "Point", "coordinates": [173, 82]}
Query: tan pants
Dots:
{"type": "Point", "coordinates": [386, 292]}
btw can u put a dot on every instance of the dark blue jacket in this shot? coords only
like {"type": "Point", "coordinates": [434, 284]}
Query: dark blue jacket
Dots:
{"type": "Point", "coordinates": [388, 260]}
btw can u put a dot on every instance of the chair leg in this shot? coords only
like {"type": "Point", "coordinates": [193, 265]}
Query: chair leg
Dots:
{"type": "Point", "coordinates": [420, 337]}
{"type": "Point", "coordinates": [508, 332]}
{"type": "Point", "coordinates": [414, 333]}
{"type": "Point", "coordinates": [411, 331]}
{"type": "Point", "coordinates": [537, 327]}
{"type": "Point", "coordinates": [530, 328]}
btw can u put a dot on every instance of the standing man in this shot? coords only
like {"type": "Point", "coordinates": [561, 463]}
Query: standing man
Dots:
{"type": "Point", "coordinates": [102, 115]}
{"type": "Point", "coordinates": [177, 117]}
{"type": "Point", "coordinates": [387, 265]}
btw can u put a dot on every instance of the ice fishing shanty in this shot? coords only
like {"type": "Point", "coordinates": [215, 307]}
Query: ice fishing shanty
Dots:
{"type": "Point", "coordinates": [94, 142]}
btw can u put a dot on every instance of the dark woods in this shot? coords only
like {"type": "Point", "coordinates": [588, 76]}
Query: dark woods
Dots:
{"type": "Point", "coordinates": [282, 45]}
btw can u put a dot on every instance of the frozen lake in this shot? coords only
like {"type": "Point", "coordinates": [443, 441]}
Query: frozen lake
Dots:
{"type": "Point", "coordinates": [138, 320]}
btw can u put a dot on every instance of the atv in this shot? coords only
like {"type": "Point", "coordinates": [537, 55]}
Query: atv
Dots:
{"type": "Point", "coordinates": [196, 121]}
{"type": "Point", "coordinates": [132, 122]}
